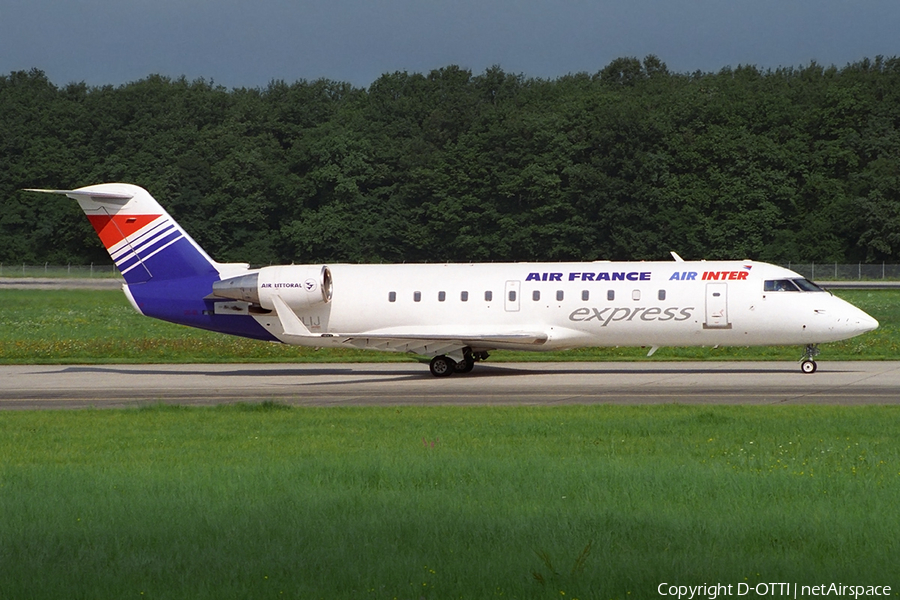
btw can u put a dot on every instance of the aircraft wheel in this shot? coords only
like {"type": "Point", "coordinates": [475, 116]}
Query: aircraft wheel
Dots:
{"type": "Point", "coordinates": [442, 366]}
{"type": "Point", "coordinates": [467, 364]}
{"type": "Point", "coordinates": [808, 366]}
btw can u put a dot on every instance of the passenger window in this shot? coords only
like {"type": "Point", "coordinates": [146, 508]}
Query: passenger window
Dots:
{"type": "Point", "coordinates": [417, 296]}
{"type": "Point", "coordinates": [392, 296]}
{"type": "Point", "coordinates": [536, 295]}
{"type": "Point", "coordinates": [559, 295]}
{"type": "Point", "coordinates": [661, 295]}
{"type": "Point", "coordinates": [512, 295]}
{"type": "Point", "coordinates": [636, 295]}
{"type": "Point", "coordinates": [464, 296]}
{"type": "Point", "coordinates": [442, 296]}
{"type": "Point", "coordinates": [610, 295]}
{"type": "Point", "coordinates": [585, 295]}
{"type": "Point", "coordinates": [488, 296]}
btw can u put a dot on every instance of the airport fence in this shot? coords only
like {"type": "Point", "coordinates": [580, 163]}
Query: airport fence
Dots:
{"type": "Point", "coordinates": [810, 270]}
{"type": "Point", "coordinates": [846, 272]}
{"type": "Point", "coordinates": [47, 270]}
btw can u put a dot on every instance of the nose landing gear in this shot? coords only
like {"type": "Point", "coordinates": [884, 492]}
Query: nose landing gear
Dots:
{"type": "Point", "coordinates": [807, 361]}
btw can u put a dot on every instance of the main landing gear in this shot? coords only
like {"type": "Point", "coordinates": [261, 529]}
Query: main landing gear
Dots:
{"type": "Point", "coordinates": [807, 361]}
{"type": "Point", "coordinates": [444, 366]}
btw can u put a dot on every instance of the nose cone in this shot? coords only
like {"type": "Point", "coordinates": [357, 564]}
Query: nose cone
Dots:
{"type": "Point", "coordinates": [867, 323]}
{"type": "Point", "coordinates": [849, 321]}
{"type": "Point", "coordinates": [858, 322]}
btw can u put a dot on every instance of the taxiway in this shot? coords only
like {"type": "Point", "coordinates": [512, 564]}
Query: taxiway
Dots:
{"type": "Point", "coordinates": [105, 386]}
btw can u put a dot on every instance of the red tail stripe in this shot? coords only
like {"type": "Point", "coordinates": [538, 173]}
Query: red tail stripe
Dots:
{"type": "Point", "coordinates": [113, 230]}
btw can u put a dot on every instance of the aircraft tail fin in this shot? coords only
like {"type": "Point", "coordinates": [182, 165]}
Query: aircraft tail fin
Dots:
{"type": "Point", "coordinates": [143, 240]}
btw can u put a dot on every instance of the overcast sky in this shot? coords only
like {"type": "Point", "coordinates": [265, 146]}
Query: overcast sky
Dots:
{"type": "Point", "coordinates": [248, 43]}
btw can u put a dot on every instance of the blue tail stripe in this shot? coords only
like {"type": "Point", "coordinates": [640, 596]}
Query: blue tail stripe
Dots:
{"type": "Point", "coordinates": [157, 243]}
{"type": "Point", "coordinates": [145, 241]}
{"type": "Point", "coordinates": [128, 262]}
{"type": "Point", "coordinates": [142, 240]}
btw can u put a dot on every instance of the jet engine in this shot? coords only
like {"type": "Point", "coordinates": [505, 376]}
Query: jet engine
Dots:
{"type": "Point", "coordinates": [300, 286]}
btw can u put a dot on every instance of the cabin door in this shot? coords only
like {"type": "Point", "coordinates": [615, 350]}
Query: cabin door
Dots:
{"type": "Point", "coordinates": [511, 296]}
{"type": "Point", "coordinates": [717, 306]}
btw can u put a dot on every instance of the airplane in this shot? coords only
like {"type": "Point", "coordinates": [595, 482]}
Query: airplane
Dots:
{"type": "Point", "coordinates": [457, 313]}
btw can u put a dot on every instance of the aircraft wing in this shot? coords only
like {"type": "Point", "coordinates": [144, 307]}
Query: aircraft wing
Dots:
{"type": "Point", "coordinates": [445, 340]}
{"type": "Point", "coordinates": [437, 343]}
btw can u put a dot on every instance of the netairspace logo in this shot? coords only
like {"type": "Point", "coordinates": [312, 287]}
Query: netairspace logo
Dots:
{"type": "Point", "coordinates": [786, 590]}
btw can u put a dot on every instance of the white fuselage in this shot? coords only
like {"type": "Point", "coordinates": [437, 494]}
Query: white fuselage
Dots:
{"type": "Point", "coordinates": [573, 304]}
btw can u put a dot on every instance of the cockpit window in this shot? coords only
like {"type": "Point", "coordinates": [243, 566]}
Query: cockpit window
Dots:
{"type": "Point", "coordinates": [791, 285]}
{"type": "Point", "coordinates": [807, 286]}
{"type": "Point", "coordinates": [780, 285]}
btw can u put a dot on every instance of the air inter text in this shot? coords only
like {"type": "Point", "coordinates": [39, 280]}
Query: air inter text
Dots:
{"type": "Point", "coordinates": [710, 276]}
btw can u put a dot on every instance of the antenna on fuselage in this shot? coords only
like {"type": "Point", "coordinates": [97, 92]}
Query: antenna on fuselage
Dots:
{"type": "Point", "coordinates": [675, 256]}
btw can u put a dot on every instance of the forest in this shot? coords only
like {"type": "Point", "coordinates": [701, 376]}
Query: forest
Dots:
{"type": "Point", "coordinates": [628, 163]}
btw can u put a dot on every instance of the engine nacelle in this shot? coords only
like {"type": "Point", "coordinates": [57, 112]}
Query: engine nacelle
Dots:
{"type": "Point", "coordinates": [299, 286]}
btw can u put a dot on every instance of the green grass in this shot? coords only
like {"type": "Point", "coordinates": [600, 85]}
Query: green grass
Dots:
{"type": "Point", "coordinates": [84, 326]}
{"type": "Point", "coordinates": [266, 501]}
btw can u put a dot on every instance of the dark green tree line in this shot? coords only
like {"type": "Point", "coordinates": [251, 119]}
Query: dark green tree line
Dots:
{"type": "Point", "coordinates": [627, 163]}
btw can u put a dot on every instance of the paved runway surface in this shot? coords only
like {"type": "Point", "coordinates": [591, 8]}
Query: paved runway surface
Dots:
{"type": "Point", "coordinates": [106, 386]}
{"type": "Point", "coordinates": [53, 283]}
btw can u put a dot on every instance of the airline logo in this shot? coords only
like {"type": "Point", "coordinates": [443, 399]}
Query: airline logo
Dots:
{"type": "Point", "coordinates": [724, 275]}
{"type": "Point", "coordinates": [610, 314]}
{"type": "Point", "coordinates": [602, 276]}
{"type": "Point", "coordinates": [113, 229]}
{"type": "Point", "coordinates": [710, 275]}
{"type": "Point", "coordinates": [132, 239]}
{"type": "Point", "coordinates": [309, 285]}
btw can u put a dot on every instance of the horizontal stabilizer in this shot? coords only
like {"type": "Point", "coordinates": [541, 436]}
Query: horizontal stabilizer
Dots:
{"type": "Point", "coordinates": [99, 197]}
